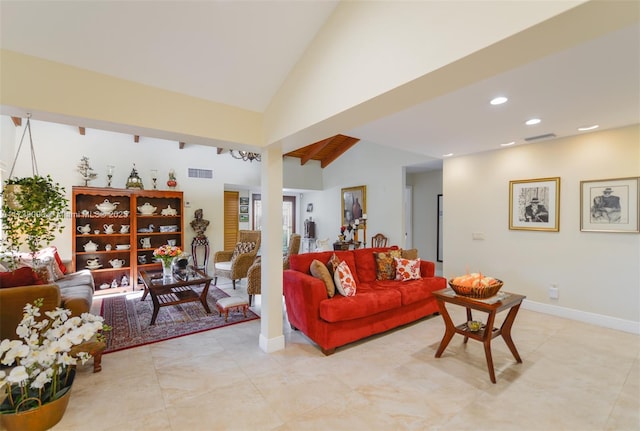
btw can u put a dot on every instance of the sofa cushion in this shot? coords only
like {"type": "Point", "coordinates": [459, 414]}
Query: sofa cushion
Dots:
{"type": "Point", "coordinates": [366, 262]}
{"type": "Point", "coordinates": [344, 280]}
{"type": "Point", "coordinates": [386, 265]}
{"type": "Point", "coordinates": [364, 304]}
{"type": "Point", "coordinates": [407, 269]}
{"type": "Point", "coordinates": [79, 278]}
{"type": "Point", "coordinates": [319, 270]}
{"type": "Point", "coordinates": [414, 290]}
{"type": "Point", "coordinates": [20, 277]}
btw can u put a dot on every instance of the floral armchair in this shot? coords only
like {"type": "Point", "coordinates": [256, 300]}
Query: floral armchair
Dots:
{"type": "Point", "coordinates": [235, 263]}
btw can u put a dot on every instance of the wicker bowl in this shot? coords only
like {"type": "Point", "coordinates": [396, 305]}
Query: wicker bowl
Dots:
{"type": "Point", "coordinates": [479, 292]}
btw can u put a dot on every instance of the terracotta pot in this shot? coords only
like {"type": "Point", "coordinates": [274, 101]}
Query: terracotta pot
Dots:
{"type": "Point", "coordinates": [39, 419]}
{"type": "Point", "coordinates": [172, 183]}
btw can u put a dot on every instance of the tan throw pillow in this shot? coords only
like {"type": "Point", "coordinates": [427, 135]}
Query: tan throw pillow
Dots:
{"type": "Point", "coordinates": [319, 270]}
{"type": "Point", "coordinates": [385, 265]}
{"type": "Point", "coordinates": [411, 254]}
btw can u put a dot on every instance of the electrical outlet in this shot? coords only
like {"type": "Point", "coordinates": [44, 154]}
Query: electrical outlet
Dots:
{"type": "Point", "coordinates": [553, 291]}
{"type": "Point", "coordinates": [187, 204]}
{"type": "Point", "coordinates": [477, 235]}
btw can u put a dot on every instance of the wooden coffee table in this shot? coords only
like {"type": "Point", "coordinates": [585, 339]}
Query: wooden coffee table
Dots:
{"type": "Point", "coordinates": [173, 291]}
{"type": "Point", "coordinates": [503, 301]}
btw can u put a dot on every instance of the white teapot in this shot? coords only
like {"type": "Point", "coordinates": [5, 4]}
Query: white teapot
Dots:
{"type": "Point", "coordinates": [108, 228]}
{"type": "Point", "coordinates": [107, 207]}
{"type": "Point", "coordinates": [147, 209]}
{"type": "Point", "coordinates": [84, 229]}
{"type": "Point", "coordinates": [168, 211]}
{"type": "Point", "coordinates": [117, 263]}
{"type": "Point", "coordinates": [90, 246]}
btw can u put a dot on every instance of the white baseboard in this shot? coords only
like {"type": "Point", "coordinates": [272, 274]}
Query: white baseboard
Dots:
{"type": "Point", "coordinates": [584, 316]}
{"type": "Point", "coordinates": [270, 345]}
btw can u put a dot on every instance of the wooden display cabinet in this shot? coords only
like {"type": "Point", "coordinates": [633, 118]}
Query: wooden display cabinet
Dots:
{"type": "Point", "coordinates": [99, 217]}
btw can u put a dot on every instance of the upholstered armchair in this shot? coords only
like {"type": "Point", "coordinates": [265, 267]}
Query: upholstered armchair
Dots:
{"type": "Point", "coordinates": [254, 277]}
{"type": "Point", "coordinates": [235, 263]}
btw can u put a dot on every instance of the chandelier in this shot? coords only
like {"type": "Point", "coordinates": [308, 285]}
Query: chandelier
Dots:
{"type": "Point", "coordinates": [245, 155]}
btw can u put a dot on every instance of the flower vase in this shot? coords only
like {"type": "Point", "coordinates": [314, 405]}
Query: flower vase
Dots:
{"type": "Point", "coordinates": [166, 268]}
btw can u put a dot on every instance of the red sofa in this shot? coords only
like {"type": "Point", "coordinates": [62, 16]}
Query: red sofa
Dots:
{"type": "Point", "coordinates": [379, 305]}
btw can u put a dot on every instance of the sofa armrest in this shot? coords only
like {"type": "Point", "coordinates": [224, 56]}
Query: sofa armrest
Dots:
{"type": "Point", "coordinates": [427, 268]}
{"type": "Point", "coordinates": [303, 294]}
{"type": "Point", "coordinates": [13, 300]}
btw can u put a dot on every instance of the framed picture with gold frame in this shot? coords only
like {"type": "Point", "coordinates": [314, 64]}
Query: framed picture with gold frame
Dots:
{"type": "Point", "coordinates": [535, 204]}
{"type": "Point", "coordinates": [610, 205]}
{"type": "Point", "coordinates": [354, 204]}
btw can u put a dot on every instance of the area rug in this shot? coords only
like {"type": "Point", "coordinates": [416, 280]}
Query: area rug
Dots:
{"type": "Point", "coordinates": [129, 318]}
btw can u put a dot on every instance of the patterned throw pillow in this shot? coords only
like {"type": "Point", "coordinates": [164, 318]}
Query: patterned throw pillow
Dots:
{"type": "Point", "coordinates": [407, 269]}
{"type": "Point", "coordinates": [45, 269]}
{"type": "Point", "coordinates": [333, 264]}
{"type": "Point", "coordinates": [385, 264]}
{"type": "Point", "coordinates": [241, 248]}
{"type": "Point", "coordinates": [345, 283]}
{"type": "Point", "coordinates": [320, 270]}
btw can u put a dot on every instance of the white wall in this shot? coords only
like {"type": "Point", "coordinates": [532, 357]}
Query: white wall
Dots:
{"type": "Point", "coordinates": [596, 272]}
{"type": "Point", "coordinates": [426, 187]}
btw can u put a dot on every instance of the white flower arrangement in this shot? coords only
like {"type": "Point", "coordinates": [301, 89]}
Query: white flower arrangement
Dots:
{"type": "Point", "coordinates": [42, 360]}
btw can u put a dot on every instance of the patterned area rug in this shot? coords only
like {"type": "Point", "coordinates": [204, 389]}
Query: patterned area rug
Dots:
{"type": "Point", "coordinates": [129, 319]}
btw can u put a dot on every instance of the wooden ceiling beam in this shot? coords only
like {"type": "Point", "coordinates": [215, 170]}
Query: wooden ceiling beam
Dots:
{"type": "Point", "coordinates": [315, 149]}
{"type": "Point", "coordinates": [17, 121]}
{"type": "Point", "coordinates": [338, 152]}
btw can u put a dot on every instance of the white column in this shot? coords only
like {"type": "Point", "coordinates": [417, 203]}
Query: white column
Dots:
{"type": "Point", "coordinates": [271, 334]}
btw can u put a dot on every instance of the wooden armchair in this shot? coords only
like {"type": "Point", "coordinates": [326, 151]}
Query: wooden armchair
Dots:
{"type": "Point", "coordinates": [234, 264]}
{"type": "Point", "coordinates": [254, 276]}
{"type": "Point", "coordinates": [378, 240]}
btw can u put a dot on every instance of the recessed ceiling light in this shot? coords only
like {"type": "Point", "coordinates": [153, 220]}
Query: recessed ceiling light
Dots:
{"type": "Point", "coordinates": [447, 155]}
{"type": "Point", "coordinates": [532, 121]}
{"type": "Point", "coordinates": [498, 100]}
{"type": "Point", "coordinates": [508, 144]}
{"type": "Point", "coordinates": [586, 128]}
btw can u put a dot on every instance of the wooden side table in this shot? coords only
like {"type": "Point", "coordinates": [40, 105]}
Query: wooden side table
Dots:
{"type": "Point", "coordinates": [503, 301]}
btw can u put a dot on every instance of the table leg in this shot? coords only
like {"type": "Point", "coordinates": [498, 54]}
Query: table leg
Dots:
{"type": "Point", "coordinates": [203, 296]}
{"type": "Point", "coordinates": [506, 332]}
{"type": "Point", "coordinates": [156, 308]}
{"type": "Point", "coordinates": [469, 319]}
{"type": "Point", "coordinates": [449, 331]}
{"type": "Point", "coordinates": [144, 294]}
{"type": "Point", "coordinates": [486, 340]}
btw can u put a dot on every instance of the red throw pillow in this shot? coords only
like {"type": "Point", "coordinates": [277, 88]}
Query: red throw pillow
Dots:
{"type": "Point", "coordinates": [20, 277]}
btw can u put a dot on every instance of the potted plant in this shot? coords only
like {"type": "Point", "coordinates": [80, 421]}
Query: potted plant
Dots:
{"type": "Point", "coordinates": [33, 210]}
{"type": "Point", "coordinates": [43, 362]}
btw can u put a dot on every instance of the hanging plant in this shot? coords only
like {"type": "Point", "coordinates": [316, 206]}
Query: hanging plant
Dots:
{"type": "Point", "coordinates": [33, 214]}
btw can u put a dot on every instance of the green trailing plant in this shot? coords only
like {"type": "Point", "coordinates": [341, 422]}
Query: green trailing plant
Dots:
{"type": "Point", "coordinates": [33, 215]}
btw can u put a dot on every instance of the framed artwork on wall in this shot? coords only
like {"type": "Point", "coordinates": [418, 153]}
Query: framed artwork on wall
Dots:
{"type": "Point", "coordinates": [244, 218]}
{"type": "Point", "coordinates": [354, 204]}
{"type": "Point", "coordinates": [610, 205]}
{"type": "Point", "coordinates": [244, 209]}
{"type": "Point", "coordinates": [244, 201]}
{"type": "Point", "coordinates": [535, 204]}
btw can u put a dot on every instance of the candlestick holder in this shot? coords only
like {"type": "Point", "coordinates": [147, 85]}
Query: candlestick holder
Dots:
{"type": "Point", "coordinates": [154, 178]}
{"type": "Point", "coordinates": [109, 174]}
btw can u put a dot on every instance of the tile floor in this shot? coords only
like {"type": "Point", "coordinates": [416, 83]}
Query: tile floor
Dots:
{"type": "Point", "coordinates": [574, 376]}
